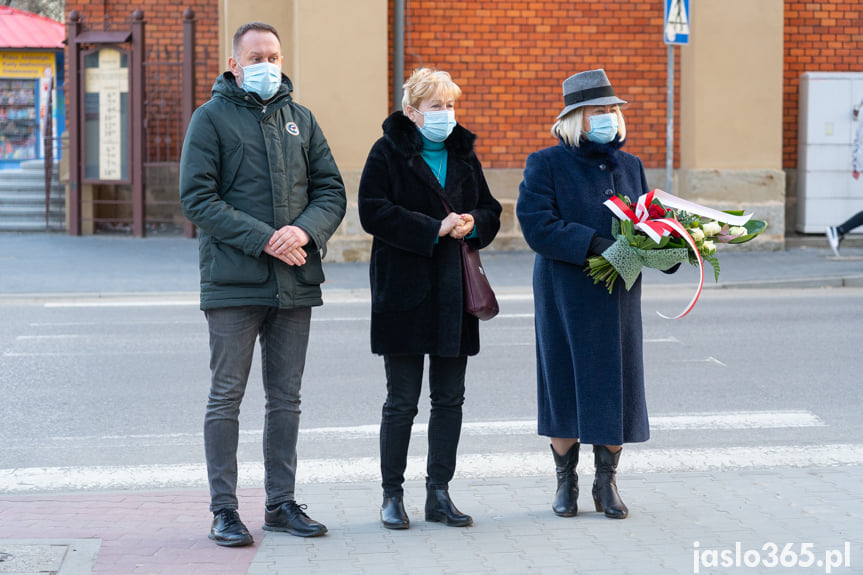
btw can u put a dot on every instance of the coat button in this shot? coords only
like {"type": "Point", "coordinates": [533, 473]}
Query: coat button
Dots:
{"type": "Point", "coordinates": [609, 193]}
{"type": "Point", "coordinates": [602, 167]}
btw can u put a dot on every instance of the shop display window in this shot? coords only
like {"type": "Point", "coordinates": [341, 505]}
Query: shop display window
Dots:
{"type": "Point", "coordinates": [19, 127]}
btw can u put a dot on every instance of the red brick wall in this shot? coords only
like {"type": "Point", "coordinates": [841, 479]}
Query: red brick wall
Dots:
{"type": "Point", "coordinates": [164, 28]}
{"type": "Point", "coordinates": [819, 37]}
{"type": "Point", "coordinates": [510, 58]}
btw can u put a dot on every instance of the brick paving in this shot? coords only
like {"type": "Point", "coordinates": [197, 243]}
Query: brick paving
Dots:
{"type": "Point", "coordinates": [514, 531]}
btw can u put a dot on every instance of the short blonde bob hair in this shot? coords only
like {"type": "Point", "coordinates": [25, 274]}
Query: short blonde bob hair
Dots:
{"type": "Point", "coordinates": [569, 128]}
{"type": "Point", "coordinates": [427, 83]}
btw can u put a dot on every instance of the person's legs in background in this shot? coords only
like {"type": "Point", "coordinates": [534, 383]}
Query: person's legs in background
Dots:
{"type": "Point", "coordinates": [835, 234]}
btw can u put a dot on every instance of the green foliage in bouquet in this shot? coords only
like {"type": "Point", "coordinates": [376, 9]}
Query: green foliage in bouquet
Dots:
{"type": "Point", "coordinates": [634, 249]}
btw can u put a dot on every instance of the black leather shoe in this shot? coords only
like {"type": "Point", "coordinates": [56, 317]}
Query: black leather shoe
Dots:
{"type": "Point", "coordinates": [441, 509]}
{"type": "Point", "coordinates": [291, 518]}
{"type": "Point", "coordinates": [228, 530]}
{"type": "Point", "coordinates": [393, 514]}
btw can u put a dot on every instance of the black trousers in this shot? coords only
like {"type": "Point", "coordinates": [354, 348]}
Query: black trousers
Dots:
{"type": "Point", "coordinates": [404, 384]}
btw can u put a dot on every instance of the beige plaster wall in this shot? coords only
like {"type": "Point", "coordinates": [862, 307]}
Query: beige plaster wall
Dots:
{"type": "Point", "coordinates": [335, 52]}
{"type": "Point", "coordinates": [731, 111]}
{"type": "Point", "coordinates": [234, 13]}
{"type": "Point", "coordinates": [731, 86]}
{"type": "Point", "coordinates": [340, 72]}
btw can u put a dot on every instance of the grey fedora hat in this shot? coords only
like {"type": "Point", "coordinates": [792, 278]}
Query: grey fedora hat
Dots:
{"type": "Point", "coordinates": [590, 88]}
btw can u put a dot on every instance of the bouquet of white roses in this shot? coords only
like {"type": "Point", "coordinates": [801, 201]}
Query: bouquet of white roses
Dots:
{"type": "Point", "coordinates": [661, 231]}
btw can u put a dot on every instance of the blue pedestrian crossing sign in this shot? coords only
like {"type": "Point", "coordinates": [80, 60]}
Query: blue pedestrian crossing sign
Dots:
{"type": "Point", "coordinates": [676, 27]}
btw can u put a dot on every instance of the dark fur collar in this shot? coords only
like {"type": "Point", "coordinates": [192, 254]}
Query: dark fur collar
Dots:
{"type": "Point", "coordinates": [404, 137]}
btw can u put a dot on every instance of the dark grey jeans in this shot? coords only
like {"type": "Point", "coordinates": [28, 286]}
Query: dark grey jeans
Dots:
{"type": "Point", "coordinates": [284, 338]}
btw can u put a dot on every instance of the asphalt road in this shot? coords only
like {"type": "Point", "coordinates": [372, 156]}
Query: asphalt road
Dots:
{"type": "Point", "coordinates": [119, 385]}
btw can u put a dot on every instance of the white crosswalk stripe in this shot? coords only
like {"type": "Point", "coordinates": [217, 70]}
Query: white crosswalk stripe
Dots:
{"type": "Point", "coordinates": [640, 458]}
{"type": "Point", "coordinates": [471, 465]}
{"type": "Point", "coordinates": [677, 422]}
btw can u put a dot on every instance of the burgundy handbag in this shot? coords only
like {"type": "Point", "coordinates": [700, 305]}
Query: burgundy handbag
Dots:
{"type": "Point", "coordinates": [479, 298]}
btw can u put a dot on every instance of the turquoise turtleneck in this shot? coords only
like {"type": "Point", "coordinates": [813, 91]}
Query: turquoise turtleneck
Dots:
{"type": "Point", "coordinates": [435, 155]}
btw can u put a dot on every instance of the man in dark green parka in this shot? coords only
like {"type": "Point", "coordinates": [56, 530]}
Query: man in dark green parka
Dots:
{"type": "Point", "coordinates": [259, 181]}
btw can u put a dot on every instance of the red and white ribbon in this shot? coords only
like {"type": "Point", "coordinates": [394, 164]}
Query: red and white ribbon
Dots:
{"type": "Point", "coordinates": [671, 201]}
{"type": "Point", "coordinates": [657, 228]}
{"type": "Point", "coordinates": [685, 235]}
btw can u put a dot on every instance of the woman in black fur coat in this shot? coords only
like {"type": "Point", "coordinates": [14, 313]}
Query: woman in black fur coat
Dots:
{"type": "Point", "coordinates": [423, 161]}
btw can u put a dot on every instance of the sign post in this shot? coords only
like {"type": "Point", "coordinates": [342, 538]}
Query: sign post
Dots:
{"type": "Point", "coordinates": [106, 88]}
{"type": "Point", "coordinates": [105, 116]}
{"type": "Point", "coordinates": [675, 32]}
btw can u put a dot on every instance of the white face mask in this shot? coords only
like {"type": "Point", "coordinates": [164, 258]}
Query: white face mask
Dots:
{"type": "Point", "coordinates": [437, 124]}
{"type": "Point", "coordinates": [262, 79]}
{"type": "Point", "coordinates": [603, 128]}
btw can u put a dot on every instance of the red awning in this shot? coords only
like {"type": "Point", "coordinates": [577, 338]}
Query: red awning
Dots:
{"type": "Point", "coordinates": [20, 29]}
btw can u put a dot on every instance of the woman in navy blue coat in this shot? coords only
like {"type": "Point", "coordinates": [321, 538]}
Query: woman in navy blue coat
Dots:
{"type": "Point", "coordinates": [590, 377]}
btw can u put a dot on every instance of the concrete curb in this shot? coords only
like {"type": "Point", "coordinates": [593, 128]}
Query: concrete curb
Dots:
{"type": "Point", "coordinates": [363, 294]}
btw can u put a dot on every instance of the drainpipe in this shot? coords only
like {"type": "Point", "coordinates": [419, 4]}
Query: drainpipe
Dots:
{"type": "Point", "coordinates": [398, 53]}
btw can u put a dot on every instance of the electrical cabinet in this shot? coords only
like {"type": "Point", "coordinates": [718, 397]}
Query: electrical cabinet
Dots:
{"type": "Point", "coordinates": [827, 195]}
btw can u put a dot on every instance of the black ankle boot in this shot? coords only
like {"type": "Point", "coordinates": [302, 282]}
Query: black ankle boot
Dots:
{"type": "Point", "coordinates": [441, 509]}
{"type": "Point", "coordinates": [605, 496]}
{"type": "Point", "coordinates": [566, 498]}
{"type": "Point", "coordinates": [393, 514]}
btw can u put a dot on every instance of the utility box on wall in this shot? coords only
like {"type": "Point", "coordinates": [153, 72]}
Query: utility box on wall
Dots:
{"type": "Point", "coordinates": [827, 194]}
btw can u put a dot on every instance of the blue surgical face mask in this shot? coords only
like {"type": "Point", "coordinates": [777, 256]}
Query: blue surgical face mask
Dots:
{"type": "Point", "coordinates": [437, 124]}
{"type": "Point", "coordinates": [262, 79]}
{"type": "Point", "coordinates": [603, 128]}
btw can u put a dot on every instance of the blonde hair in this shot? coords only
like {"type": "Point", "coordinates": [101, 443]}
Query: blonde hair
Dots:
{"type": "Point", "coordinates": [427, 83]}
{"type": "Point", "coordinates": [569, 128]}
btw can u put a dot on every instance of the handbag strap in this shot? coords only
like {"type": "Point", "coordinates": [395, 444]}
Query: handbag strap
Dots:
{"type": "Point", "coordinates": [443, 201]}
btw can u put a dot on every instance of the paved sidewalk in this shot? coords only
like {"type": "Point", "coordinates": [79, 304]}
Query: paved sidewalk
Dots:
{"type": "Point", "coordinates": [680, 522]}
{"type": "Point", "coordinates": [676, 520]}
{"type": "Point", "coordinates": [55, 264]}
